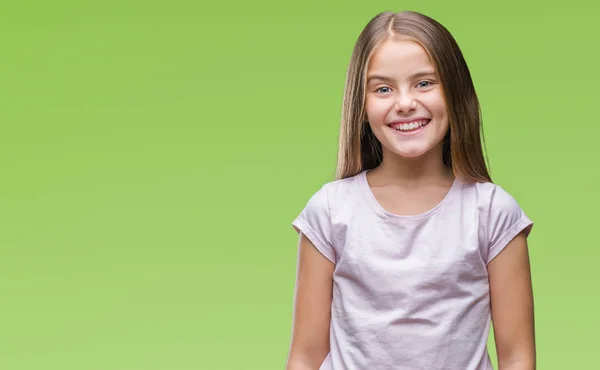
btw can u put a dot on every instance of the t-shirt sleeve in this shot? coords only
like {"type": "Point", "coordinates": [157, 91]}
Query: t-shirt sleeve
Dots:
{"type": "Point", "coordinates": [315, 223]}
{"type": "Point", "coordinates": [506, 219]}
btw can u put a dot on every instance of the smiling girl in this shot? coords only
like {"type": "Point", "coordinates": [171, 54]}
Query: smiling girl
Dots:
{"type": "Point", "coordinates": [408, 256]}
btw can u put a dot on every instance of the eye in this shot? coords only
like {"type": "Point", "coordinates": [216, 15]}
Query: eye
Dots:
{"type": "Point", "coordinates": [383, 87]}
{"type": "Point", "coordinates": [424, 82]}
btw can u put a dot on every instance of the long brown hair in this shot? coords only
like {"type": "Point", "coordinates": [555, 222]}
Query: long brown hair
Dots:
{"type": "Point", "coordinates": [359, 149]}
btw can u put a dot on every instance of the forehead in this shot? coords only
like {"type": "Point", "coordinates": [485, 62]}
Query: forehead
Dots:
{"type": "Point", "coordinates": [398, 56]}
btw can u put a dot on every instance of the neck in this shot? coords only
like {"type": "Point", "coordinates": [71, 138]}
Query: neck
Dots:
{"type": "Point", "coordinates": [423, 169]}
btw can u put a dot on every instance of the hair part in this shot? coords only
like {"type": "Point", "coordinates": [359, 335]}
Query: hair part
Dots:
{"type": "Point", "coordinates": [463, 151]}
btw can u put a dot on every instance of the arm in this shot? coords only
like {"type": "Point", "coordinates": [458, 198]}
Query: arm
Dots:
{"type": "Point", "coordinates": [312, 308]}
{"type": "Point", "coordinates": [512, 306]}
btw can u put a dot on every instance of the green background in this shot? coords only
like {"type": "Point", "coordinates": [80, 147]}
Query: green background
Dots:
{"type": "Point", "coordinates": [153, 156]}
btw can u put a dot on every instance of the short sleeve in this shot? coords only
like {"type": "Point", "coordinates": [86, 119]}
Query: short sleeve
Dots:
{"type": "Point", "coordinates": [506, 219]}
{"type": "Point", "coordinates": [315, 223]}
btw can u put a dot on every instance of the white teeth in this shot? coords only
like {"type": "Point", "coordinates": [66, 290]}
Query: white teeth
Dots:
{"type": "Point", "coordinates": [410, 126]}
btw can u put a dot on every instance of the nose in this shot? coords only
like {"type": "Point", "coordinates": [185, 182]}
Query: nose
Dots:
{"type": "Point", "coordinates": [405, 102]}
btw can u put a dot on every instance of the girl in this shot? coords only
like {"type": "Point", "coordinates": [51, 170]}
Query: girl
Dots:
{"type": "Point", "coordinates": [411, 252]}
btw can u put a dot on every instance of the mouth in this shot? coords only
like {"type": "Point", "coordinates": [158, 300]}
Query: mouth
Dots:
{"type": "Point", "coordinates": [410, 127]}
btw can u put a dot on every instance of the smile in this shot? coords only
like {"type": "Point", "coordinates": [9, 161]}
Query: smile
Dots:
{"type": "Point", "coordinates": [409, 127]}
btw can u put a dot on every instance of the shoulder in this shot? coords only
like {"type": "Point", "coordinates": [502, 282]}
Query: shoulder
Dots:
{"type": "Point", "coordinates": [342, 189]}
{"type": "Point", "coordinates": [315, 219]}
{"type": "Point", "coordinates": [332, 193]}
{"type": "Point", "coordinates": [339, 190]}
{"type": "Point", "coordinates": [497, 208]}
{"type": "Point", "coordinates": [500, 201]}
{"type": "Point", "coordinates": [332, 198]}
{"type": "Point", "coordinates": [500, 214]}
{"type": "Point", "coordinates": [491, 197]}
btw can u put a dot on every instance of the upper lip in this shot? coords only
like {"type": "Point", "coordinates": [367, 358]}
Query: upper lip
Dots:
{"type": "Point", "coordinates": [409, 120]}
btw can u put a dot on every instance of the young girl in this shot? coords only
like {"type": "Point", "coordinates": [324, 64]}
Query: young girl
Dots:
{"type": "Point", "coordinates": [411, 252]}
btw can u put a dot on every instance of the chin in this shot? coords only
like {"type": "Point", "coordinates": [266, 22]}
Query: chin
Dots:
{"type": "Point", "coordinates": [412, 153]}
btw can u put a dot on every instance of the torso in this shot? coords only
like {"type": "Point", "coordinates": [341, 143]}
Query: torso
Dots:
{"type": "Point", "coordinates": [410, 283]}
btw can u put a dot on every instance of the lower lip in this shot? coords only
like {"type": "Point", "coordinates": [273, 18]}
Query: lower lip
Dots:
{"type": "Point", "coordinates": [413, 132]}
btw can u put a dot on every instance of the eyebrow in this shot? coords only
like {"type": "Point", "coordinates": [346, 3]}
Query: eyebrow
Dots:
{"type": "Point", "coordinates": [386, 78]}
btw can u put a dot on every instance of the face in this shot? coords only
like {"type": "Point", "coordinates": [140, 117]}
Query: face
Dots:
{"type": "Point", "coordinates": [405, 104]}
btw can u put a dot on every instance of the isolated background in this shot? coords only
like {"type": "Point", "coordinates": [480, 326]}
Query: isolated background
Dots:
{"type": "Point", "coordinates": [153, 155]}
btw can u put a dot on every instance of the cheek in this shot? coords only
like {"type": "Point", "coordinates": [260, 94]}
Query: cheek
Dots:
{"type": "Point", "coordinates": [376, 110]}
{"type": "Point", "coordinates": [435, 102]}
{"type": "Point", "coordinates": [437, 107]}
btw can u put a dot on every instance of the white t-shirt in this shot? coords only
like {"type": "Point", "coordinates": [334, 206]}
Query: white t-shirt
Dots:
{"type": "Point", "coordinates": [410, 292]}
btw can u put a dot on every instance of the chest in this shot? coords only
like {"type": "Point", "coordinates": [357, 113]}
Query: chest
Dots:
{"type": "Point", "coordinates": [391, 262]}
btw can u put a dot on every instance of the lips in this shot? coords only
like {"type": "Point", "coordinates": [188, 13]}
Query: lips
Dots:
{"type": "Point", "coordinates": [409, 120]}
{"type": "Point", "coordinates": [409, 124]}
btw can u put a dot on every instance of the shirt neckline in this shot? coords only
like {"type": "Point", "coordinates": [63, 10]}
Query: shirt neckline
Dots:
{"type": "Point", "coordinates": [383, 212]}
